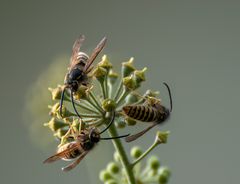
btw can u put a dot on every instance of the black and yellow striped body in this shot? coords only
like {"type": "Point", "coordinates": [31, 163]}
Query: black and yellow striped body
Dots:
{"type": "Point", "coordinates": [141, 113]}
{"type": "Point", "coordinates": [146, 113]}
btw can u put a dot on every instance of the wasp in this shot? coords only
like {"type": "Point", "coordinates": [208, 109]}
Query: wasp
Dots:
{"type": "Point", "coordinates": [151, 111]}
{"type": "Point", "coordinates": [80, 66]}
{"type": "Point", "coordinates": [84, 141]}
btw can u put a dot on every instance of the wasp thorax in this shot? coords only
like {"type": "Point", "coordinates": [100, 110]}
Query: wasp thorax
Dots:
{"type": "Point", "coordinates": [72, 79]}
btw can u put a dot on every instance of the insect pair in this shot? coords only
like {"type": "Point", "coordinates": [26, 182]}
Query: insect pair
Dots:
{"type": "Point", "coordinates": [80, 66]}
{"type": "Point", "coordinates": [84, 141]}
{"type": "Point", "coordinates": [150, 111]}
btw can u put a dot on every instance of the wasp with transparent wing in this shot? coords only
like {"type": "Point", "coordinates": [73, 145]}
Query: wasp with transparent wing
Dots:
{"type": "Point", "coordinates": [151, 111]}
{"type": "Point", "coordinates": [80, 66]}
{"type": "Point", "coordinates": [84, 141]}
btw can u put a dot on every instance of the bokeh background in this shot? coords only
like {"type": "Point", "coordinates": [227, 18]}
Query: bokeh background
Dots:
{"type": "Point", "coordinates": [192, 45]}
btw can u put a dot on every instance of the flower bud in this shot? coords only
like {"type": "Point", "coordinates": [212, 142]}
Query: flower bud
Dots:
{"type": "Point", "coordinates": [164, 175]}
{"type": "Point", "coordinates": [104, 63]}
{"type": "Point", "coordinates": [127, 67]}
{"type": "Point", "coordinates": [116, 157]}
{"type": "Point", "coordinates": [139, 75]}
{"type": "Point", "coordinates": [152, 173]}
{"type": "Point", "coordinates": [130, 83]}
{"type": "Point", "coordinates": [55, 124]}
{"type": "Point", "coordinates": [75, 124]}
{"type": "Point", "coordinates": [112, 77]}
{"type": "Point", "coordinates": [161, 137]}
{"type": "Point", "coordinates": [60, 132]}
{"type": "Point", "coordinates": [130, 121]}
{"type": "Point", "coordinates": [153, 163]}
{"type": "Point", "coordinates": [105, 176]}
{"type": "Point", "coordinates": [108, 105]}
{"type": "Point", "coordinates": [151, 93]}
{"type": "Point", "coordinates": [82, 93]}
{"type": "Point", "coordinates": [100, 73]}
{"type": "Point", "coordinates": [56, 92]}
{"type": "Point", "coordinates": [113, 168]}
{"type": "Point", "coordinates": [136, 152]}
{"type": "Point", "coordinates": [55, 111]}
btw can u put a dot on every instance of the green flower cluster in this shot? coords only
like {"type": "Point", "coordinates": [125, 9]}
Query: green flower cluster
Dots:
{"type": "Point", "coordinates": [149, 172]}
{"type": "Point", "coordinates": [117, 90]}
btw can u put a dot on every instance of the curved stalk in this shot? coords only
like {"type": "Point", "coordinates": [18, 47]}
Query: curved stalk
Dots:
{"type": "Point", "coordinates": [145, 153]}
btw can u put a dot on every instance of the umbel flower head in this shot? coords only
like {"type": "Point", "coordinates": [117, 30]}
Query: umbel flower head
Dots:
{"type": "Point", "coordinates": [95, 107]}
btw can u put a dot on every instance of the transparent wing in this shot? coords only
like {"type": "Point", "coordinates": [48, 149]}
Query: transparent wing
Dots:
{"type": "Point", "coordinates": [60, 155]}
{"type": "Point", "coordinates": [139, 134]}
{"type": "Point", "coordinates": [76, 48]}
{"type": "Point", "coordinates": [75, 163]}
{"type": "Point", "coordinates": [95, 53]}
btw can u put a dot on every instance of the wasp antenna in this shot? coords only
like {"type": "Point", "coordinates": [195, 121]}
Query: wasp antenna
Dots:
{"type": "Point", "coordinates": [73, 104]}
{"type": "Point", "coordinates": [61, 101]}
{"type": "Point", "coordinates": [117, 137]}
{"type": "Point", "coordinates": [170, 95]}
{"type": "Point", "coordinates": [112, 120]}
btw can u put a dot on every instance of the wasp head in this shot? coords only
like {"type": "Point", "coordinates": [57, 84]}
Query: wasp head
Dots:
{"type": "Point", "coordinates": [164, 113]}
{"type": "Point", "coordinates": [94, 136]}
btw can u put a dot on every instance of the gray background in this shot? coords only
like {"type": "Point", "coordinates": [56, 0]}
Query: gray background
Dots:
{"type": "Point", "coordinates": [192, 45]}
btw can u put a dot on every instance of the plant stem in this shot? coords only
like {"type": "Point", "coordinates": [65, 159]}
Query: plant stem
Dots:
{"type": "Point", "coordinates": [123, 156]}
{"type": "Point", "coordinates": [106, 85]}
{"type": "Point", "coordinates": [145, 153]}
{"type": "Point", "coordinates": [85, 107]}
{"type": "Point", "coordinates": [93, 96]}
{"type": "Point", "coordinates": [103, 90]}
{"type": "Point", "coordinates": [119, 89]}
{"type": "Point", "coordinates": [94, 105]}
{"type": "Point", "coordinates": [110, 87]}
{"type": "Point", "coordinates": [122, 97]}
{"type": "Point", "coordinates": [90, 115]}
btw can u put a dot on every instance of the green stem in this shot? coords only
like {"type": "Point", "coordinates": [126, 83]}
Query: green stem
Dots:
{"type": "Point", "coordinates": [103, 90]}
{"type": "Point", "coordinates": [94, 105]}
{"type": "Point", "coordinates": [93, 96]}
{"type": "Point", "coordinates": [85, 107]}
{"type": "Point", "coordinates": [119, 89]}
{"type": "Point", "coordinates": [96, 123]}
{"type": "Point", "coordinates": [122, 97]}
{"type": "Point", "coordinates": [90, 115]}
{"type": "Point", "coordinates": [110, 87]}
{"type": "Point", "coordinates": [106, 85]}
{"type": "Point", "coordinates": [145, 153]}
{"type": "Point", "coordinates": [122, 154]}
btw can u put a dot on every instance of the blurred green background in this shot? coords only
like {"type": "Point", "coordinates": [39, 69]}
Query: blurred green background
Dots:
{"type": "Point", "coordinates": [191, 45]}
